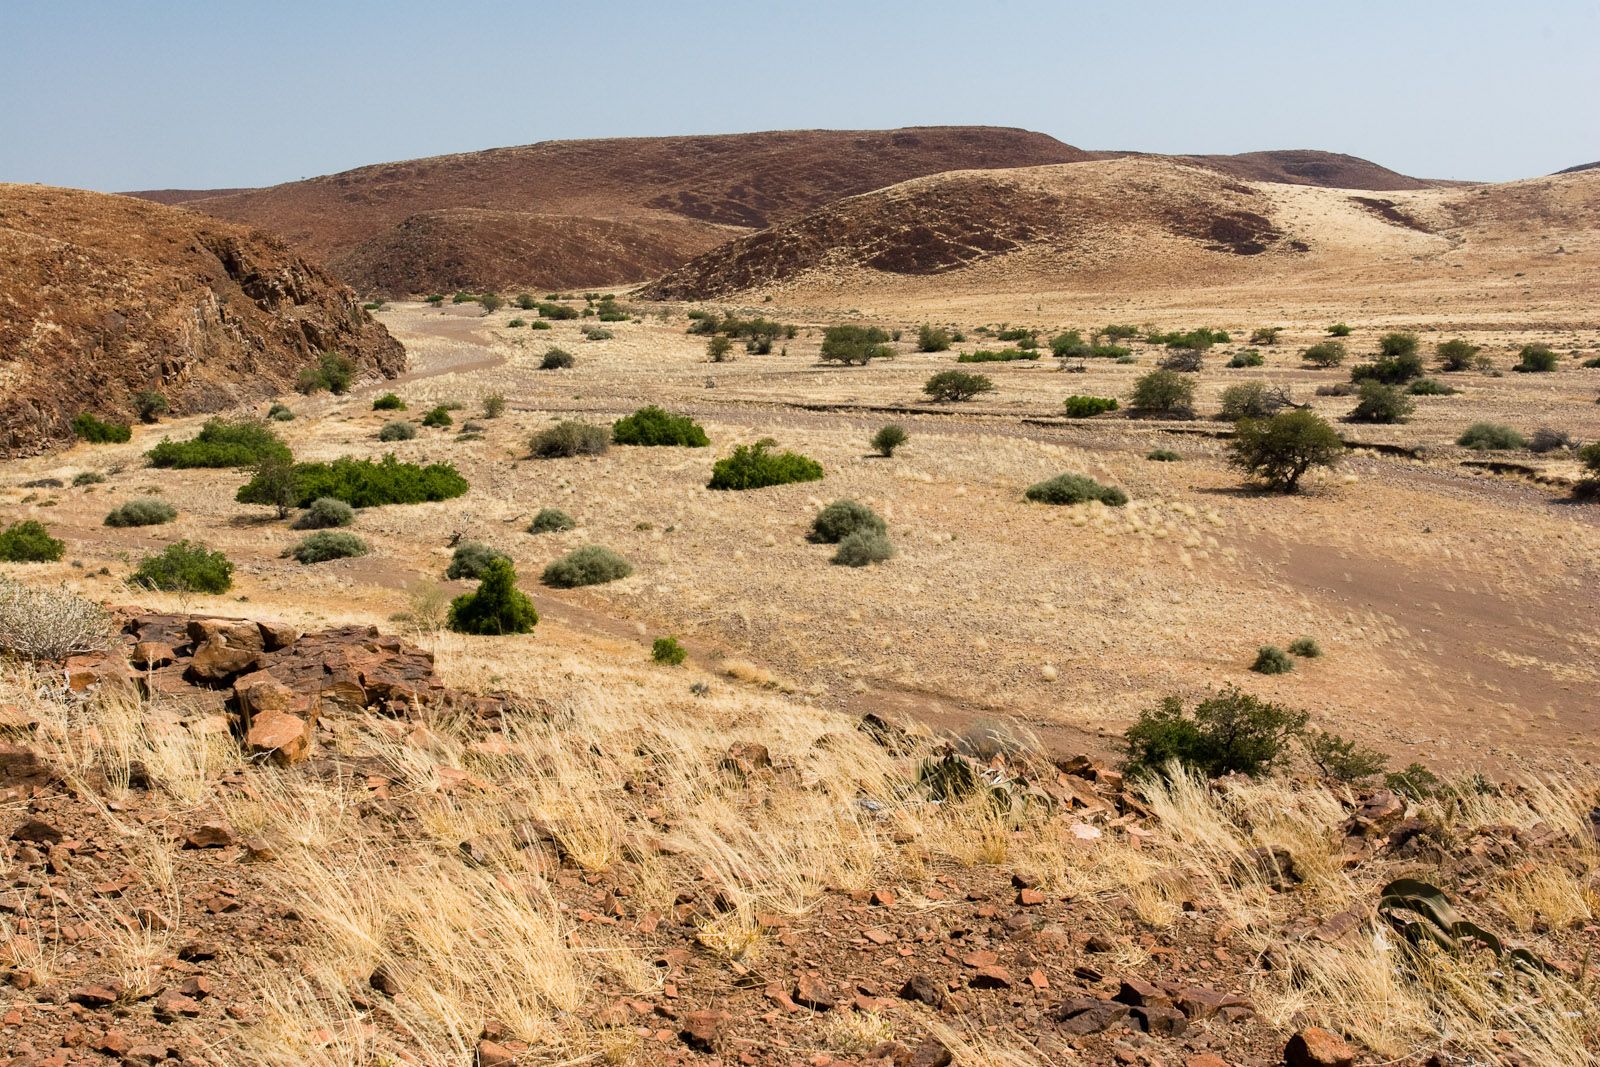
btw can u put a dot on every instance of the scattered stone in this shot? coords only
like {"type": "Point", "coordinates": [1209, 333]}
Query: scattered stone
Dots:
{"type": "Point", "coordinates": [1087, 1015]}
{"type": "Point", "coordinates": [924, 989]}
{"type": "Point", "coordinates": [1316, 1047]}
{"type": "Point", "coordinates": [210, 835]}
{"type": "Point", "coordinates": [991, 977]}
{"type": "Point", "coordinates": [38, 832]}
{"type": "Point", "coordinates": [810, 992]}
{"type": "Point", "coordinates": [702, 1030]}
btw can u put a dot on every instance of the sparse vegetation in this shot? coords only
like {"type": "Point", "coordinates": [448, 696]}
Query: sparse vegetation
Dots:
{"type": "Point", "coordinates": [668, 652]}
{"type": "Point", "coordinates": [27, 541]}
{"type": "Point", "coordinates": [496, 608]}
{"type": "Point", "coordinates": [1002, 355]}
{"type": "Point", "coordinates": [1536, 359]}
{"type": "Point", "coordinates": [888, 438]}
{"type": "Point", "coordinates": [863, 547]}
{"type": "Point", "coordinates": [280, 413]}
{"type": "Point", "coordinates": [1342, 759]}
{"type": "Point", "coordinates": [185, 567]}
{"type": "Point", "coordinates": [651, 426]}
{"type": "Point", "coordinates": [1457, 355]}
{"type": "Point", "coordinates": [756, 467]}
{"type": "Point", "coordinates": [855, 344]}
{"type": "Point", "coordinates": [932, 338]}
{"type": "Point", "coordinates": [438, 418]}
{"type": "Point", "coordinates": [1164, 392]}
{"type": "Point", "coordinates": [471, 559]}
{"type": "Point", "coordinates": [1075, 489]}
{"type": "Point", "coordinates": [97, 431]}
{"type": "Point", "coordinates": [361, 483]}
{"type": "Point", "coordinates": [1545, 440]}
{"type": "Point", "coordinates": [1491, 437]}
{"type": "Point", "coordinates": [1281, 449]}
{"type": "Point", "coordinates": [1325, 354]}
{"type": "Point", "coordinates": [1270, 659]}
{"type": "Point", "coordinates": [719, 349]}
{"type": "Point", "coordinates": [150, 405]}
{"type": "Point", "coordinates": [1248, 357]}
{"type": "Point", "coordinates": [552, 520]}
{"type": "Point", "coordinates": [589, 565]}
{"type": "Point", "coordinates": [145, 511]}
{"type": "Point", "coordinates": [556, 359]}
{"type": "Point", "coordinates": [334, 372]}
{"type": "Point", "coordinates": [1163, 455]}
{"type": "Point", "coordinates": [325, 513]}
{"type": "Point", "coordinates": [325, 545]}
{"type": "Point", "coordinates": [494, 406]}
{"type": "Point", "coordinates": [842, 518]}
{"type": "Point", "coordinates": [398, 431]}
{"type": "Point", "coordinates": [1230, 732]}
{"type": "Point", "coordinates": [956, 385]}
{"type": "Point", "coordinates": [1068, 344]}
{"type": "Point", "coordinates": [1086, 407]}
{"type": "Point", "coordinates": [1305, 648]}
{"type": "Point", "coordinates": [388, 402]}
{"type": "Point", "coordinates": [222, 443]}
{"type": "Point", "coordinates": [599, 333]}
{"type": "Point", "coordinates": [1588, 487]}
{"type": "Point", "coordinates": [1430, 387]}
{"type": "Point", "coordinates": [1381, 403]}
{"type": "Point", "coordinates": [1338, 329]}
{"type": "Point", "coordinates": [1265, 335]}
{"type": "Point", "coordinates": [569, 438]}
{"type": "Point", "coordinates": [1390, 370]}
{"type": "Point", "coordinates": [1396, 345]}
{"type": "Point", "coordinates": [1252, 400]}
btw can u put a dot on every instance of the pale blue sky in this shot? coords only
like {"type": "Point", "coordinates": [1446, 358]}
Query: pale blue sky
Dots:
{"type": "Point", "coordinates": [122, 94]}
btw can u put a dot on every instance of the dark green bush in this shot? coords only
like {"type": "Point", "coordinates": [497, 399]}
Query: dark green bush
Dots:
{"type": "Point", "coordinates": [1164, 392]}
{"type": "Point", "coordinates": [333, 372]}
{"type": "Point", "coordinates": [551, 520]}
{"type": "Point", "coordinates": [1416, 782]}
{"type": "Point", "coordinates": [1265, 335]}
{"type": "Point", "coordinates": [1116, 352]}
{"type": "Point", "coordinates": [325, 513]}
{"type": "Point", "coordinates": [222, 443]}
{"type": "Point", "coordinates": [589, 565]}
{"type": "Point", "coordinates": [145, 511]}
{"type": "Point", "coordinates": [539, 324]}
{"type": "Point", "coordinates": [88, 478]}
{"type": "Point", "coordinates": [1085, 407]}
{"type": "Point", "coordinates": [1390, 370]}
{"type": "Point", "coordinates": [463, 297]}
{"type": "Point", "coordinates": [888, 438]}
{"type": "Point", "coordinates": [1325, 354]}
{"type": "Point", "coordinates": [842, 518]}
{"type": "Point", "coordinates": [1003, 355]}
{"type": "Point", "coordinates": [1270, 659]}
{"type": "Point", "coordinates": [398, 431]}
{"type": "Point", "coordinates": [668, 651]}
{"type": "Point", "coordinates": [1342, 759]}
{"type": "Point", "coordinates": [361, 483]}
{"type": "Point", "coordinates": [719, 349]}
{"type": "Point", "coordinates": [490, 302]}
{"type": "Point", "coordinates": [1163, 455]}
{"type": "Point", "coordinates": [280, 413]}
{"type": "Point", "coordinates": [150, 405]}
{"type": "Point", "coordinates": [569, 438]}
{"type": "Point", "coordinates": [954, 385]}
{"type": "Point", "coordinates": [1393, 345]}
{"type": "Point", "coordinates": [756, 467]}
{"type": "Point", "coordinates": [1068, 344]}
{"type": "Point", "coordinates": [556, 359]}
{"type": "Point", "coordinates": [1119, 332]}
{"type": "Point", "coordinates": [1456, 354]}
{"type": "Point", "coordinates": [653, 426]}
{"type": "Point", "coordinates": [388, 402]}
{"type": "Point", "coordinates": [1338, 329]}
{"type": "Point", "coordinates": [1305, 647]}
{"type": "Point", "coordinates": [438, 418]}
{"type": "Point", "coordinates": [1075, 489]}
{"type": "Point", "coordinates": [1589, 488]}
{"type": "Point", "coordinates": [1248, 357]}
{"type": "Point", "coordinates": [496, 607]}
{"type": "Point", "coordinates": [855, 344]}
{"type": "Point", "coordinates": [185, 567]}
{"type": "Point", "coordinates": [471, 559]}
{"type": "Point", "coordinates": [556, 311]}
{"type": "Point", "coordinates": [28, 541]}
{"type": "Point", "coordinates": [863, 547]}
{"type": "Point", "coordinates": [1536, 359]}
{"type": "Point", "coordinates": [1381, 403]}
{"type": "Point", "coordinates": [525, 302]}
{"type": "Point", "coordinates": [932, 338]}
{"type": "Point", "coordinates": [325, 545]}
{"type": "Point", "coordinates": [1431, 387]}
{"type": "Point", "coordinates": [1280, 450]}
{"type": "Point", "coordinates": [98, 432]}
{"type": "Point", "coordinates": [1491, 437]}
{"type": "Point", "coordinates": [1230, 732]}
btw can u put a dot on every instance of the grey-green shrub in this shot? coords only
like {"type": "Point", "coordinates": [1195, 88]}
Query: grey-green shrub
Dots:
{"type": "Point", "coordinates": [1536, 359]}
{"type": "Point", "coordinates": [863, 547]}
{"type": "Point", "coordinates": [471, 559]}
{"type": "Point", "coordinates": [325, 513]}
{"type": "Point", "coordinates": [556, 359]}
{"type": "Point", "coordinates": [1270, 659]}
{"type": "Point", "coordinates": [1491, 437]}
{"type": "Point", "coordinates": [145, 511]}
{"type": "Point", "coordinates": [1305, 647]}
{"type": "Point", "coordinates": [397, 431]}
{"type": "Point", "coordinates": [589, 565]}
{"type": "Point", "coordinates": [1381, 403]}
{"type": "Point", "coordinates": [1164, 392]}
{"type": "Point", "coordinates": [570, 438]}
{"type": "Point", "coordinates": [1075, 489]}
{"type": "Point", "coordinates": [842, 518]}
{"type": "Point", "coordinates": [325, 545]}
{"type": "Point", "coordinates": [888, 438]}
{"type": "Point", "coordinates": [551, 520]}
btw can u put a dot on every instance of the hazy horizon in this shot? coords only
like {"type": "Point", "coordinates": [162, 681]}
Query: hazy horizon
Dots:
{"type": "Point", "coordinates": [121, 98]}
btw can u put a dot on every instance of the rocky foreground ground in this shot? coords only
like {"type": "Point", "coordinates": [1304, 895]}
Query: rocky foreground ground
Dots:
{"type": "Point", "coordinates": [230, 842]}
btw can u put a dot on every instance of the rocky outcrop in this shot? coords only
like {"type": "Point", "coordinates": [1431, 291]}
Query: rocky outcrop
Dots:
{"type": "Point", "coordinates": [103, 297]}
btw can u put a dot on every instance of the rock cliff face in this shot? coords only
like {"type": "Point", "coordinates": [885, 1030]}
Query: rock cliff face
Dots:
{"type": "Point", "coordinates": [102, 297]}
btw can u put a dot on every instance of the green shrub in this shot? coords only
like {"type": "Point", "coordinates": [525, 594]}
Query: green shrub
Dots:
{"type": "Point", "coordinates": [1280, 450]}
{"type": "Point", "coordinates": [842, 518]}
{"type": "Point", "coordinates": [1390, 370]}
{"type": "Point", "coordinates": [333, 372]}
{"type": "Point", "coordinates": [597, 333]}
{"type": "Point", "coordinates": [756, 467]}
{"type": "Point", "coordinates": [1085, 407]}
{"type": "Point", "coordinates": [539, 324]}
{"type": "Point", "coordinates": [719, 349]}
{"type": "Point", "coordinates": [1589, 488]}
{"type": "Point", "coordinates": [463, 297]}
{"type": "Point", "coordinates": [1393, 345]}
{"type": "Point", "coordinates": [1270, 659]}
{"type": "Point", "coordinates": [361, 483]}
{"type": "Point", "coordinates": [28, 541]}
{"type": "Point", "coordinates": [496, 607]}
{"type": "Point", "coordinates": [651, 426]}
{"type": "Point", "coordinates": [471, 559]}
{"type": "Point", "coordinates": [589, 565]}
{"type": "Point", "coordinates": [398, 431]}
{"type": "Point", "coordinates": [516, 323]}
{"type": "Point", "coordinates": [551, 520]}
{"type": "Point", "coordinates": [1491, 437]}
{"type": "Point", "coordinates": [1536, 359]}
{"type": "Point", "coordinates": [325, 513]}
{"type": "Point", "coordinates": [668, 651]}
{"type": "Point", "coordinates": [1187, 360]}
{"type": "Point", "coordinates": [145, 511]}
{"type": "Point", "coordinates": [1456, 354]}
{"type": "Point", "coordinates": [1338, 329]}
{"type": "Point", "coordinates": [1416, 782]}
{"type": "Point", "coordinates": [556, 359]}
{"type": "Point", "coordinates": [88, 478]}
{"type": "Point", "coordinates": [854, 344]}
{"type": "Point", "coordinates": [1252, 400]}
{"type": "Point", "coordinates": [150, 405]}
{"type": "Point", "coordinates": [185, 567]}
{"type": "Point", "coordinates": [98, 432]}
{"type": "Point", "coordinates": [888, 438]}
{"type": "Point", "coordinates": [1114, 352]}
{"type": "Point", "coordinates": [494, 406]}
{"type": "Point", "coordinates": [1119, 332]}
{"type": "Point", "coordinates": [1431, 387]}
{"type": "Point", "coordinates": [1003, 355]}
{"type": "Point", "coordinates": [1067, 344]}
{"type": "Point", "coordinates": [1075, 489]}
{"type": "Point", "coordinates": [1265, 335]}
{"type": "Point", "coordinates": [325, 545]}
{"type": "Point", "coordinates": [1592, 363]}
{"type": "Point", "coordinates": [1325, 354]}
{"type": "Point", "coordinates": [551, 310]}
{"type": "Point", "coordinates": [1163, 455]}
{"type": "Point", "coordinates": [525, 302]}
{"type": "Point", "coordinates": [1381, 403]}
{"type": "Point", "coordinates": [438, 418]}
{"type": "Point", "coordinates": [569, 438]}
{"type": "Point", "coordinates": [1341, 759]}
{"type": "Point", "coordinates": [1305, 647]}
{"type": "Point", "coordinates": [436, 299]}
{"type": "Point", "coordinates": [932, 338]}
{"type": "Point", "coordinates": [863, 547]}
{"type": "Point", "coordinates": [490, 302]}
{"type": "Point", "coordinates": [388, 402]}
{"type": "Point", "coordinates": [955, 385]}
{"type": "Point", "coordinates": [1249, 357]}
{"type": "Point", "coordinates": [222, 443]}
{"type": "Point", "coordinates": [280, 413]}
{"type": "Point", "coordinates": [1164, 392]}
{"type": "Point", "coordinates": [1230, 732]}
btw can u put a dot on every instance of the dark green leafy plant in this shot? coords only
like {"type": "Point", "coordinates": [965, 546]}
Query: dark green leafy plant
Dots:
{"type": "Point", "coordinates": [1086, 407]}
{"type": "Point", "coordinates": [1305, 647]}
{"type": "Point", "coordinates": [333, 372]}
{"type": "Point", "coordinates": [96, 431]}
{"type": "Point", "coordinates": [471, 559]}
{"type": "Point", "coordinates": [28, 541]}
{"type": "Point", "coordinates": [1280, 450]}
{"type": "Point", "coordinates": [438, 418]}
{"type": "Point", "coordinates": [1338, 329]}
{"type": "Point", "coordinates": [325, 545]}
{"type": "Point", "coordinates": [388, 402]}
{"type": "Point", "coordinates": [1391, 370]}
{"type": "Point", "coordinates": [556, 359]}
{"type": "Point", "coordinates": [756, 467]}
{"type": "Point", "coordinates": [932, 338]}
{"type": "Point", "coordinates": [150, 405]}
{"type": "Point", "coordinates": [185, 567]}
{"type": "Point", "coordinates": [955, 385]}
{"type": "Point", "coordinates": [1068, 344]}
{"type": "Point", "coordinates": [1536, 359]}
{"type": "Point", "coordinates": [651, 426]}
{"type": "Point", "coordinates": [496, 607]}
{"type": "Point", "coordinates": [1381, 403]}
{"type": "Point", "coordinates": [1270, 659]}
{"type": "Point", "coordinates": [1164, 392]}
{"type": "Point", "coordinates": [1002, 355]}
{"type": "Point", "coordinates": [667, 650]}
{"type": "Point", "coordinates": [842, 518]}
{"type": "Point", "coordinates": [1163, 455]}
{"type": "Point", "coordinates": [1229, 732]}
{"type": "Point", "coordinates": [145, 511]}
{"type": "Point", "coordinates": [1075, 489]}
{"type": "Point", "coordinates": [1325, 354]}
{"type": "Point", "coordinates": [888, 438]}
{"type": "Point", "coordinates": [1341, 758]}
{"type": "Point", "coordinates": [1491, 437]}
{"type": "Point", "coordinates": [1248, 357]}
{"type": "Point", "coordinates": [1456, 355]}
{"type": "Point", "coordinates": [361, 483]}
{"type": "Point", "coordinates": [854, 344]}
{"type": "Point", "coordinates": [222, 443]}
{"type": "Point", "coordinates": [551, 520]}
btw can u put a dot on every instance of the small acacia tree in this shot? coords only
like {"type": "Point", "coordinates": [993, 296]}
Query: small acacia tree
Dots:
{"type": "Point", "coordinates": [272, 483]}
{"type": "Point", "coordinates": [1280, 450]}
{"type": "Point", "coordinates": [1231, 731]}
{"type": "Point", "coordinates": [956, 385]}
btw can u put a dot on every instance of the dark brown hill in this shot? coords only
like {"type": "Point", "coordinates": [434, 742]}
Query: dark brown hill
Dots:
{"type": "Point", "coordinates": [104, 296]}
{"type": "Point", "coordinates": [746, 181]}
{"type": "Point", "coordinates": [1330, 170]}
{"type": "Point", "coordinates": [180, 196]}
